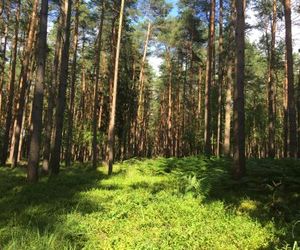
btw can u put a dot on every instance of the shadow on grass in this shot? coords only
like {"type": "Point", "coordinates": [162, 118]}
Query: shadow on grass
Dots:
{"type": "Point", "coordinates": [41, 206]}
{"type": "Point", "coordinates": [269, 192]}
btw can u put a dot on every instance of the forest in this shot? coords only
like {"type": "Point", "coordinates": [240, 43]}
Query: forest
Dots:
{"type": "Point", "coordinates": [149, 124]}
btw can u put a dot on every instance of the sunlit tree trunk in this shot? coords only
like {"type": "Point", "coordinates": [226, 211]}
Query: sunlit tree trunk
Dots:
{"type": "Point", "coordinates": [3, 62]}
{"type": "Point", "coordinates": [220, 87]}
{"type": "Point", "coordinates": [111, 129]}
{"type": "Point", "coordinates": [9, 111]}
{"type": "Point", "coordinates": [285, 112]}
{"type": "Point", "coordinates": [24, 81]}
{"type": "Point", "coordinates": [141, 111]}
{"type": "Point", "coordinates": [96, 94]}
{"type": "Point", "coordinates": [169, 105]}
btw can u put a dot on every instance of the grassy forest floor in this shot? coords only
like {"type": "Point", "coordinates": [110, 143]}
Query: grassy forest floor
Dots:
{"type": "Point", "coordinates": [189, 203]}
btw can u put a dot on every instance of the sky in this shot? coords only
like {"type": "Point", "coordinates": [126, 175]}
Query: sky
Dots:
{"type": "Point", "coordinates": [253, 35]}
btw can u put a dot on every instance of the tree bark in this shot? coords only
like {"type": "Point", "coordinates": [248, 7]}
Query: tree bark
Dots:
{"type": "Point", "coordinates": [239, 166]}
{"type": "Point", "coordinates": [37, 106]}
{"type": "Point", "coordinates": [208, 80]}
{"type": "Point", "coordinates": [52, 85]}
{"type": "Point", "coordinates": [3, 62]}
{"type": "Point", "coordinates": [8, 120]}
{"type": "Point", "coordinates": [220, 90]}
{"type": "Point", "coordinates": [298, 107]}
{"type": "Point", "coordinates": [61, 98]}
{"type": "Point", "coordinates": [24, 82]}
{"type": "Point", "coordinates": [290, 85]}
{"type": "Point", "coordinates": [141, 111]}
{"type": "Point", "coordinates": [111, 130]}
{"type": "Point", "coordinates": [69, 141]}
{"type": "Point", "coordinates": [271, 91]}
{"type": "Point", "coordinates": [96, 94]}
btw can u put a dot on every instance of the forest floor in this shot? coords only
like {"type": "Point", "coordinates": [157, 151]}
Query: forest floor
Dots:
{"type": "Point", "coordinates": [189, 203]}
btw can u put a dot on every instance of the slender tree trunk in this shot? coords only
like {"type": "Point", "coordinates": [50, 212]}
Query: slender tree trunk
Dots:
{"type": "Point", "coordinates": [239, 168]}
{"type": "Point", "coordinates": [285, 113]}
{"type": "Point", "coordinates": [61, 99]}
{"type": "Point", "coordinates": [37, 106]}
{"type": "Point", "coordinates": [2, 65]}
{"type": "Point", "coordinates": [169, 117]}
{"type": "Point", "coordinates": [8, 121]}
{"type": "Point", "coordinates": [228, 109]}
{"type": "Point", "coordinates": [271, 91]}
{"type": "Point", "coordinates": [290, 77]}
{"type": "Point", "coordinates": [220, 92]}
{"type": "Point", "coordinates": [199, 107]}
{"type": "Point", "coordinates": [24, 81]}
{"type": "Point", "coordinates": [97, 81]}
{"type": "Point", "coordinates": [141, 111]}
{"type": "Point", "coordinates": [298, 107]}
{"type": "Point", "coordinates": [51, 97]}
{"type": "Point", "coordinates": [111, 130]}
{"type": "Point", "coordinates": [69, 141]}
{"type": "Point", "coordinates": [208, 80]}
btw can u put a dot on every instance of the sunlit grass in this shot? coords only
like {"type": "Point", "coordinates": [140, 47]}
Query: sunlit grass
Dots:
{"type": "Point", "coordinates": [189, 203]}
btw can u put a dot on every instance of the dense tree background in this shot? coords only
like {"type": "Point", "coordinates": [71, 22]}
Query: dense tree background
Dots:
{"type": "Point", "coordinates": [56, 99]}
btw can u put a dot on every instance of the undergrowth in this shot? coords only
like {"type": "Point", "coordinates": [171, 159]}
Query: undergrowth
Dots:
{"type": "Point", "coordinates": [188, 203]}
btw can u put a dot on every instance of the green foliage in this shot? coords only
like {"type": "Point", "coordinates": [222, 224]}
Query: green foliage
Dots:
{"type": "Point", "coordinates": [188, 203]}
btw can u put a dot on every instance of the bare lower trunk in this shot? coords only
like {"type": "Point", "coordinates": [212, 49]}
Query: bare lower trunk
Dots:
{"type": "Point", "coordinates": [141, 111]}
{"type": "Point", "coordinates": [208, 80]}
{"type": "Point", "coordinates": [51, 97]}
{"type": "Point", "coordinates": [96, 99]}
{"type": "Point", "coordinates": [37, 106]}
{"type": "Point", "coordinates": [61, 99]}
{"type": "Point", "coordinates": [2, 66]}
{"type": "Point", "coordinates": [220, 87]}
{"type": "Point", "coordinates": [111, 130]}
{"type": "Point", "coordinates": [290, 85]}
{"type": "Point", "coordinates": [239, 168]}
{"type": "Point", "coordinates": [69, 141]}
{"type": "Point", "coordinates": [8, 121]}
{"type": "Point", "coordinates": [271, 91]}
{"type": "Point", "coordinates": [24, 81]}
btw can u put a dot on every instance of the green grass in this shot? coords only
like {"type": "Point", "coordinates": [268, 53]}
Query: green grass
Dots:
{"type": "Point", "coordinates": [189, 203]}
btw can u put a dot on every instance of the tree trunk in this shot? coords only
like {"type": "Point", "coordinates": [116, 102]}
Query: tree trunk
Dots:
{"type": "Point", "coordinates": [111, 130]}
{"type": "Point", "coordinates": [141, 111]}
{"type": "Point", "coordinates": [37, 106]}
{"type": "Point", "coordinates": [69, 141]}
{"type": "Point", "coordinates": [52, 85]}
{"type": "Point", "coordinates": [97, 81]}
{"type": "Point", "coordinates": [227, 129]}
{"type": "Point", "coordinates": [2, 65]}
{"type": "Point", "coordinates": [208, 80]}
{"type": "Point", "coordinates": [169, 117]}
{"type": "Point", "coordinates": [8, 121]}
{"type": "Point", "coordinates": [290, 85]}
{"type": "Point", "coordinates": [61, 98]}
{"type": "Point", "coordinates": [24, 81]}
{"type": "Point", "coordinates": [271, 91]}
{"type": "Point", "coordinates": [220, 92]}
{"type": "Point", "coordinates": [239, 167]}
{"type": "Point", "coordinates": [298, 107]}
